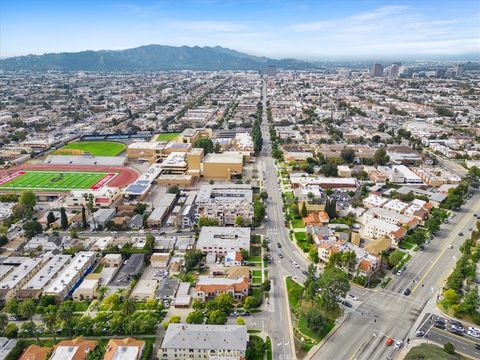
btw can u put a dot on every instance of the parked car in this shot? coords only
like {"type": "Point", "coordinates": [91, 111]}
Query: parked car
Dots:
{"type": "Point", "coordinates": [346, 303]}
{"type": "Point", "coordinates": [352, 297]}
{"type": "Point", "coordinates": [304, 272]}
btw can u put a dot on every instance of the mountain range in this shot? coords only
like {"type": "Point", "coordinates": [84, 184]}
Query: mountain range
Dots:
{"type": "Point", "coordinates": [150, 58]}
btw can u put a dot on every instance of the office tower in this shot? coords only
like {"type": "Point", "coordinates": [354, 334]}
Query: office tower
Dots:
{"type": "Point", "coordinates": [377, 70]}
{"type": "Point", "coordinates": [458, 70]}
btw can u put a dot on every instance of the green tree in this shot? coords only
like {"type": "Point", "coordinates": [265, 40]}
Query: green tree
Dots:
{"type": "Point", "coordinates": [195, 317]}
{"type": "Point", "coordinates": [27, 199]}
{"type": "Point", "coordinates": [128, 308]}
{"type": "Point", "coordinates": [3, 322]}
{"type": "Point", "coordinates": [173, 190]}
{"type": "Point", "coordinates": [240, 321]}
{"type": "Point", "coordinates": [249, 303]}
{"type": "Point", "coordinates": [315, 320]}
{"type": "Point", "coordinates": [333, 283]}
{"type": "Point", "coordinates": [32, 228]}
{"type": "Point", "coordinates": [198, 304]}
{"type": "Point", "coordinates": [303, 211]}
{"type": "Point", "coordinates": [84, 218]}
{"type": "Point", "coordinates": [11, 331]}
{"type": "Point", "coordinates": [348, 155]}
{"type": "Point", "coordinates": [217, 317]}
{"type": "Point", "coordinates": [206, 144]}
{"type": "Point", "coordinates": [63, 219]}
{"type": "Point", "coordinates": [380, 157]}
{"type": "Point", "coordinates": [102, 291]}
{"type": "Point", "coordinates": [27, 309]}
{"type": "Point", "coordinates": [50, 218]}
{"type": "Point", "coordinates": [193, 259]}
{"type": "Point", "coordinates": [239, 221]}
{"type": "Point", "coordinates": [255, 348]}
{"type": "Point", "coordinates": [174, 319]}
{"type": "Point", "coordinates": [65, 313]}
{"type": "Point", "coordinates": [49, 318]}
{"type": "Point", "coordinates": [267, 285]}
{"type": "Point", "coordinates": [449, 348]}
{"type": "Point", "coordinates": [12, 307]}
{"type": "Point", "coordinates": [140, 208]}
{"type": "Point", "coordinates": [395, 258]}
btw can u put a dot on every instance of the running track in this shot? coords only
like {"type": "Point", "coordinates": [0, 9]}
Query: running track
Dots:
{"type": "Point", "coordinates": [125, 175]}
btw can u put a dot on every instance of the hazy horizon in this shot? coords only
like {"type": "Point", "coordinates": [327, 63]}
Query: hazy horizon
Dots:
{"type": "Point", "coordinates": [314, 31]}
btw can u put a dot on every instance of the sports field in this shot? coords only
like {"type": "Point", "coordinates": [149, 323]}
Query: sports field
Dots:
{"type": "Point", "coordinates": [96, 148]}
{"type": "Point", "coordinates": [54, 180]}
{"type": "Point", "coordinates": [167, 136]}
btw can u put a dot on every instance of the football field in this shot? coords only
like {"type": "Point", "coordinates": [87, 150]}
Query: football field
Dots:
{"type": "Point", "coordinates": [54, 180]}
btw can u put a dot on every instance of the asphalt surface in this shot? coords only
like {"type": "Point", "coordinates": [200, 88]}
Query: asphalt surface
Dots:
{"type": "Point", "coordinates": [464, 344]}
{"type": "Point", "coordinates": [388, 313]}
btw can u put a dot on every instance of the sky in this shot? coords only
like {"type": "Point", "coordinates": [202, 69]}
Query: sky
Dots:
{"type": "Point", "coordinates": [310, 30]}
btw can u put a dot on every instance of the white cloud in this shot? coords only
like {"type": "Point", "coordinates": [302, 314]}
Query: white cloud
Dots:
{"type": "Point", "coordinates": [389, 30]}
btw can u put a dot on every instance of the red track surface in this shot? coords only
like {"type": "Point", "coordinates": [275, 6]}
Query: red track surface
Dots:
{"type": "Point", "coordinates": [125, 175]}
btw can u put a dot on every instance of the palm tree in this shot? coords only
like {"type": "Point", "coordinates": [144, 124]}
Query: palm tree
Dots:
{"type": "Point", "coordinates": [128, 308]}
{"type": "Point", "coordinates": [122, 292]}
{"type": "Point", "coordinates": [3, 322]}
{"type": "Point", "coordinates": [49, 318]}
{"type": "Point", "coordinates": [102, 291]}
{"type": "Point", "coordinates": [27, 310]}
{"type": "Point", "coordinates": [65, 312]}
{"type": "Point", "coordinates": [90, 207]}
{"type": "Point", "coordinates": [383, 256]}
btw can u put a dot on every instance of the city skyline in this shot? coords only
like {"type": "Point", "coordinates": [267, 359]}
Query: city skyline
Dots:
{"type": "Point", "coordinates": [303, 30]}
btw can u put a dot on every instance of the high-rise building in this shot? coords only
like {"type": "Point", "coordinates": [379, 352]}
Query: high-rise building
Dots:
{"type": "Point", "coordinates": [458, 70]}
{"type": "Point", "coordinates": [377, 70]}
{"type": "Point", "coordinates": [392, 70]}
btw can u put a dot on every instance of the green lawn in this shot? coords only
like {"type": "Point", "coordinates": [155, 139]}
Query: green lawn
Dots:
{"type": "Point", "coordinates": [80, 305]}
{"type": "Point", "coordinates": [253, 259]}
{"type": "Point", "coordinates": [97, 148]}
{"type": "Point", "coordinates": [167, 136]}
{"type": "Point", "coordinates": [430, 351]}
{"type": "Point", "coordinates": [303, 328]}
{"type": "Point", "coordinates": [257, 273]}
{"type": "Point", "coordinates": [301, 236]}
{"type": "Point", "coordinates": [51, 180]}
{"type": "Point", "coordinates": [406, 245]}
{"type": "Point", "coordinates": [256, 280]}
{"type": "Point", "coordinates": [297, 223]}
{"type": "Point", "coordinates": [295, 292]}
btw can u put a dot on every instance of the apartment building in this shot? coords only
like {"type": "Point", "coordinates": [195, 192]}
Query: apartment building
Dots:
{"type": "Point", "coordinates": [208, 288]}
{"type": "Point", "coordinates": [222, 240]}
{"type": "Point", "coordinates": [391, 217]}
{"type": "Point", "coordinates": [15, 280]}
{"type": "Point", "coordinates": [34, 287]}
{"type": "Point", "coordinates": [71, 275]}
{"type": "Point", "coordinates": [225, 203]}
{"type": "Point", "coordinates": [191, 341]}
{"type": "Point", "coordinates": [376, 228]}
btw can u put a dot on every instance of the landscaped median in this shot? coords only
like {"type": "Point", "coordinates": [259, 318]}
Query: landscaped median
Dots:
{"type": "Point", "coordinates": [313, 308]}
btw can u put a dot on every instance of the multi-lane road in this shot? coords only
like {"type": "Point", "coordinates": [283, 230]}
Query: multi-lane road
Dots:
{"type": "Point", "coordinates": [378, 314]}
{"type": "Point", "coordinates": [388, 313]}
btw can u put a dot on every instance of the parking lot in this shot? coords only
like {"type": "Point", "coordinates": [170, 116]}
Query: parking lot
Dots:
{"type": "Point", "coordinates": [441, 330]}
